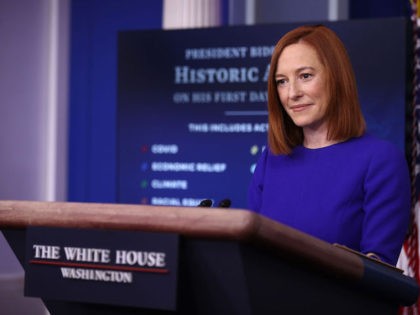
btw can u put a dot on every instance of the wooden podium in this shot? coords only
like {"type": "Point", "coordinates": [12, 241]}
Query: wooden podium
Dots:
{"type": "Point", "coordinates": [231, 261]}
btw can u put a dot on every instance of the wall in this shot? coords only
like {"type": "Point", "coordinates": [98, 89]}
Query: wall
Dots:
{"type": "Point", "coordinates": [33, 120]}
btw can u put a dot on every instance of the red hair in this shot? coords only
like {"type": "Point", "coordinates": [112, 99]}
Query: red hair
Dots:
{"type": "Point", "coordinates": [344, 115]}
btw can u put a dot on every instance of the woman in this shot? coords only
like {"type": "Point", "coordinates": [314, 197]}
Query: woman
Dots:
{"type": "Point", "coordinates": [322, 173]}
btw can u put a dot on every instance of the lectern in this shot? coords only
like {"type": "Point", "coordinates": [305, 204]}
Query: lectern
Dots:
{"type": "Point", "coordinates": [229, 261]}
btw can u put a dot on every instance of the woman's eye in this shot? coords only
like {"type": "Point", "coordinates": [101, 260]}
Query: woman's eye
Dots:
{"type": "Point", "coordinates": [281, 82]}
{"type": "Point", "coordinates": [306, 76]}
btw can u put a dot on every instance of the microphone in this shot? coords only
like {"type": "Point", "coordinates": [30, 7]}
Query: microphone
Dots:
{"type": "Point", "coordinates": [225, 203]}
{"type": "Point", "coordinates": [205, 203]}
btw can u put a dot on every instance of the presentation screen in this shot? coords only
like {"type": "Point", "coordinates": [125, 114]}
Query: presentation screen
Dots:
{"type": "Point", "coordinates": [192, 105]}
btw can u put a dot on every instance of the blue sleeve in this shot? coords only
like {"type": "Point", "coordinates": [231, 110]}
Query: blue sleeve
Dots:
{"type": "Point", "coordinates": [386, 204]}
{"type": "Point", "coordinates": [257, 184]}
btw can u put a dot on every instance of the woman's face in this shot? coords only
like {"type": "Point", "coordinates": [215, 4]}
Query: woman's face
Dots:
{"type": "Point", "coordinates": [302, 86]}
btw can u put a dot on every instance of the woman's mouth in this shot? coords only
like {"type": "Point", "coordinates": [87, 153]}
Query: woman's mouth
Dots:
{"type": "Point", "coordinates": [299, 107]}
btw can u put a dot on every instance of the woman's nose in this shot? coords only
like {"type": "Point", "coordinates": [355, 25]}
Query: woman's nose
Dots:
{"type": "Point", "coordinates": [294, 90]}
